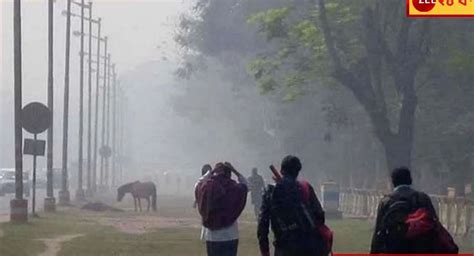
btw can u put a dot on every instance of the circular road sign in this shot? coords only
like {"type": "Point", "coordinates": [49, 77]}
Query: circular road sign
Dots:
{"type": "Point", "coordinates": [36, 117]}
{"type": "Point", "coordinates": [105, 151]}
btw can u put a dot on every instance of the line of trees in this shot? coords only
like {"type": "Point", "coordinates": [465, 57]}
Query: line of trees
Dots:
{"type": "Point", "coordinates": [346, 79]}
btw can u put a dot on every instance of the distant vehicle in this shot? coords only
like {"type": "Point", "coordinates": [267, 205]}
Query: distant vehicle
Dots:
{"type": "Point", "coordinates": [7, 182]}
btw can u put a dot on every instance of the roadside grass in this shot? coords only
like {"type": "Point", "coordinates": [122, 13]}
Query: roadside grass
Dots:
{"type": "Point", "coordinates": [22, 239]}
{"type": "Point", "coordinates": [351, 235]}
{"type": "Point", "coordinates": [185, 241]}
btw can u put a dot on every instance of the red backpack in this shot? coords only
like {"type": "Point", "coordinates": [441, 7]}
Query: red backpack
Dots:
{"type": "Point", "coordinates": [325, 232]}
{"type": "Point", "coordinates": [421, 223]}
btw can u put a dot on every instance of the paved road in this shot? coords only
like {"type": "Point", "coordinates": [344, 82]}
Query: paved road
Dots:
{"type": "Point", "coordinates": [5, 203]}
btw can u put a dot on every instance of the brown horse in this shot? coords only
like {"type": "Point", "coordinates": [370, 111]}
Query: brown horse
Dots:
{"type": "Point", "coordinates": [139, 190]}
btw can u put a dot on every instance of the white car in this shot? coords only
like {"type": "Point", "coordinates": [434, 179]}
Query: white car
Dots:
{"type": "Point", "coordinates": [7, 182]}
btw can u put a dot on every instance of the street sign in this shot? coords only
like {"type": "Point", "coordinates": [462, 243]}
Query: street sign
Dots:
{"type": "Point", "coordinates": [35, 118]}
{"type": "Point", "coordinates": [34, 147]}
{"type": "Point", "coordinates": [105, 151]}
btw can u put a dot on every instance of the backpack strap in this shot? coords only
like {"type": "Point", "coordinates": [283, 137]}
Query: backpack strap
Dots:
{"type": "Point", "coordinates": [304, 187]}
{"type": "Point", "coordinates": [305, 190]}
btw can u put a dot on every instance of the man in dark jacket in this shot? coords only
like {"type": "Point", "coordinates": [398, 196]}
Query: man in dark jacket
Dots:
{"type": "Point", "coordinates": [220, 201]}
{"type": "Point", "coordinates": [256, 186]}
{"type": "Point", "coordinates": [381, 242]}
{"type": "Point", "coordinates": [294, 230]}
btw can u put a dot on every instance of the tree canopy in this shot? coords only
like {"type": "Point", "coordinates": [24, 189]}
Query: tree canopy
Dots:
{"type": "Point", "coordinates": [410, 79]}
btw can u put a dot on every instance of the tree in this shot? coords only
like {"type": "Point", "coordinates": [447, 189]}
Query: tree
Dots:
{"type": "Point", "coordinates": [291, 123]}
{"type": "Point", "coordinates": [445, 137]}
{"type": "Point", "coordinates": [368, 47]}
{"type": "Point", "coordinates": [338, 66]}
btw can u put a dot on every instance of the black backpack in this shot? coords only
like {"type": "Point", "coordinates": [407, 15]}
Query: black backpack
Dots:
{"type": "Point", "coordinates": [394, 227]}
{"type": "Point", "coordinates": [293, 221]}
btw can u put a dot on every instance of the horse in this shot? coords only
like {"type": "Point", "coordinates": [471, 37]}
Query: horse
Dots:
{"type": "Point", "coordinates": [139, 190]}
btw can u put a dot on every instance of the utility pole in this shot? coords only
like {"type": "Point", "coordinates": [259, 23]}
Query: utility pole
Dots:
{"type": "Point", "coordinates": [50, 201]}
{"type": "Point", "coordinates": [80, 192]}
{"type": "Point", "coordinates": [102, 158]}
{"type": "Point", "coordinates": [114, 126]}
{"type": "Point", "coordinates": [18, 206]}
{"type": "Point", "coordinates": [107, 138]}
{"type": "Point", "coordinates": [90, 185]}
{"type": "Point", "coordinates": [117, 135]}
{"type": "Point", "coordinates": [89, 108]}
{"type": "Point", "coordinates": [64, 197]}
{"type": "Point", "coordinates": [96, 125]}
{"type": "Point", "coordinates": [120, 133]}
{"type": "Point", "coordinates": [122, 108]}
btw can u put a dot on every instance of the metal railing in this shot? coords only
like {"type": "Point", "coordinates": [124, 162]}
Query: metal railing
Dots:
{"type": "Point", "coordinates": [456, 214]}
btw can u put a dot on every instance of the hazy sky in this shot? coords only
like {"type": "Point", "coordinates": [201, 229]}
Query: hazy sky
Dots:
{"type": "Point", "coordinates": [139, 31]}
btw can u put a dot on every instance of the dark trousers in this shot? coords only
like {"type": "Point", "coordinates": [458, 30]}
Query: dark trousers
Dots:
{"type": "Point", "coordinates": [225, 248]}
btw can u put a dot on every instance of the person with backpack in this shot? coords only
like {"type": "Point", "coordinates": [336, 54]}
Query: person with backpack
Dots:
{"type": "Point", "coordinates": [220, 201]}
{"type": "Point", "coordinates": [407, 222]}
{"type": "Point", "coordinates": [295, 215]}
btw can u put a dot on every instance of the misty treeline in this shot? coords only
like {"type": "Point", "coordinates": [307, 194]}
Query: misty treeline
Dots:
{"type": "Point", "coordinates": [353, 87]}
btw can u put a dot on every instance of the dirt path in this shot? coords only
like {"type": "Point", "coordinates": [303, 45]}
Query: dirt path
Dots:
{"type": "Point", "coordinates": [143, 224]}
{"type": "Point", "coordinates": [53, 245]}
{"type": "Point", "coordinates": [4, 217]}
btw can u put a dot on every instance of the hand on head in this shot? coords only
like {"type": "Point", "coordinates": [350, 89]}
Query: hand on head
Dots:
{"type": "Point", "coordinates": [224, 169]}
{"type": "Point", "coordinates": [231, 167]}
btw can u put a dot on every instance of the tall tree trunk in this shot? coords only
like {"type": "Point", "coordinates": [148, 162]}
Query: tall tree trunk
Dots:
{"type": "Point", "coordinates": [364, 79]}
{"type": "Point", "coordinates": [398, 152]}
{"type": "Point", "coordinates": [399, 146]}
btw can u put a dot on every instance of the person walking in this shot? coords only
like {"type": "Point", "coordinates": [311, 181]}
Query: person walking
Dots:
{"type": "Point", "coordinates": [407, 222]}
{"type": "Point", "coordinates": [256, 187]}
{"type": "Point", "coordinates": [294, 213]}
{"type": "Point", "coordinates": [220, 201]}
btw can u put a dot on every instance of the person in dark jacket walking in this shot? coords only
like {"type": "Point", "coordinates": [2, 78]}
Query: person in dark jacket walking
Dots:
{"type": "Point", "coordinates": [293, 220]}
{"type": "Point", "coordinates": [256, 186]}
{"type": "Point", "coordinates": [382, 241]}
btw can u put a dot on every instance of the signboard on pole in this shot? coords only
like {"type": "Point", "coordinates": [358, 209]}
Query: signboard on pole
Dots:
{"type": "Point", "coordinates": [36, 118]}
{"type": "Point", "coordinates": [34, 148]}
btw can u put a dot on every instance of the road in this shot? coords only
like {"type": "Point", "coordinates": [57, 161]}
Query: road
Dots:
{"type": "Point", "coordinates": [5, 203]}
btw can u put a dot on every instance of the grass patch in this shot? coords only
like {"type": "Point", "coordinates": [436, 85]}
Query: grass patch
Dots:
{"type": "Point", "coordinates": [22, 239]}
{"type": "Point", "coordinates": [351, 236]}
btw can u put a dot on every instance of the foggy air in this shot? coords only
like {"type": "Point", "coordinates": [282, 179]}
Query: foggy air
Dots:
{"type": "Point", "coordinates": [236, 127]}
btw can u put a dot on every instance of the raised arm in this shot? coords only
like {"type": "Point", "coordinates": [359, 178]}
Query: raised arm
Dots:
{"type": "Point", "coordinates": [240, 177]}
